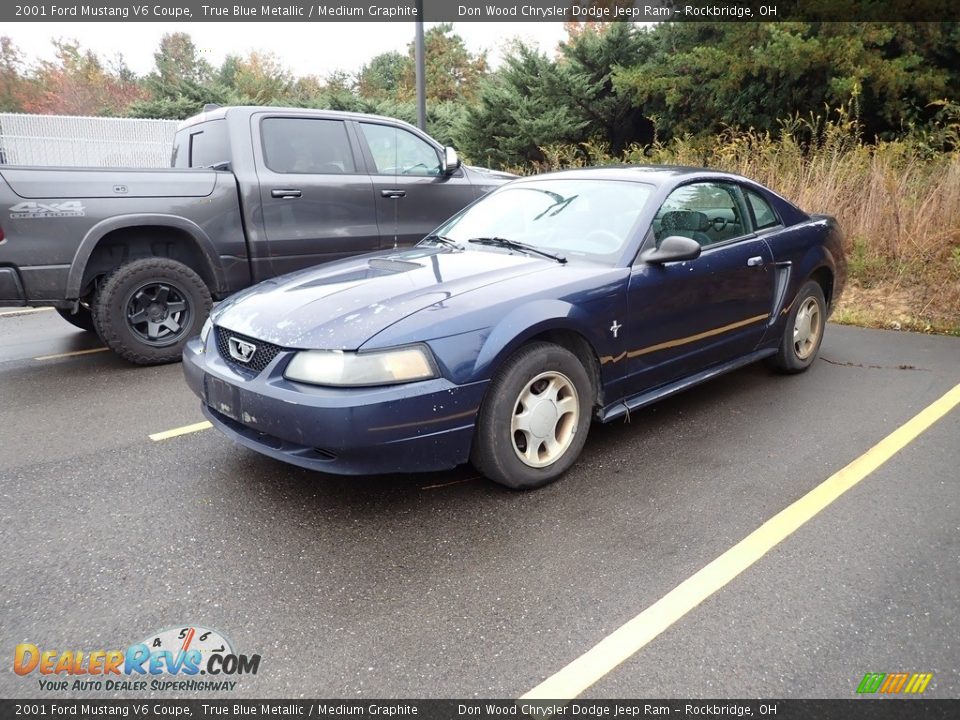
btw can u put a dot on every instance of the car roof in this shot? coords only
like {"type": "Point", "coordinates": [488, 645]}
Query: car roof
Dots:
{"type": "Point", "coordinates": [653, 174]}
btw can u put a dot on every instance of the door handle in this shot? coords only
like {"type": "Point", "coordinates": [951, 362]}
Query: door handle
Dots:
{"type": "Point", "coordinates": [393, 193]}
{"type": "Point", "coordinates": [755, 261]}
{"type": "Point", "coordinates": [286, 193]}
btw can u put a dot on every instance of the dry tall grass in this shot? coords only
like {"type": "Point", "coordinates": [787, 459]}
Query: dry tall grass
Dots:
{"type": "Point", "coordinates": [898, 202]}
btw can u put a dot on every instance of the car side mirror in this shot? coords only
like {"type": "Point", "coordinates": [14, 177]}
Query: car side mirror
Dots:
{"type": "Point", "coordinates": [451, 161]}
{"type": "Point", "coordinates": [673, 248]}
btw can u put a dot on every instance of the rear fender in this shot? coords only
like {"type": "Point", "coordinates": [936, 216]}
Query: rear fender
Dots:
{"type": "Point", "coordinates": [131, 222]}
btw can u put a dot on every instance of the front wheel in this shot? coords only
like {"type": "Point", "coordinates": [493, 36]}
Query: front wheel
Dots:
{"type": "Point", "coordinates": [146, 310]}
{"type": "Point", "coordinates": [534, 421]}
{"type": "Point", "coordinates": [803, 331]}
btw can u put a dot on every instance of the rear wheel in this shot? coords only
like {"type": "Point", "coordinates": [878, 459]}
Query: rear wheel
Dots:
{"type": "Point", "coordinates": [534, 421]}
{"type": "Point", "coordinates": [82, 318]}
{"type": "Point", "coordinates": [148, 309]}
{"type": "Point", "coordinates": [803, 331]}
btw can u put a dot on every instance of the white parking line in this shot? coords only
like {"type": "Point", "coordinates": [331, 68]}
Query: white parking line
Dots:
{"type": "Point", "coordinates": [24, 311]}
{"type": "Point", "coordinates": [635, 634]}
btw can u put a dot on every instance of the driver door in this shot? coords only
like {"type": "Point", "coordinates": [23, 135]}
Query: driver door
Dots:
{"type": "Point", "coordinates": [688, 316]}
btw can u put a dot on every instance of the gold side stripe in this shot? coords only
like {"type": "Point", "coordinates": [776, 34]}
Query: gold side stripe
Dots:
{"type": "Point", "coordinates": [683, 341]}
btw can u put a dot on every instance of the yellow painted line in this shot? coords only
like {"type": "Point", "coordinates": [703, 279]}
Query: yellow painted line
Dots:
{"type": "Point", "coordinates": [630, 638]}
{"type": "Point", "coordinates": [71, 354]}
{"type": "Point", "coordinates": [177, 432]}
{"type": "Point", "coordinates": [25, 311]}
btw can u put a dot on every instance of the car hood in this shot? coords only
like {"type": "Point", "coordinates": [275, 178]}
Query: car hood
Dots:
{"type": "Point", "coordinates": [341, 305]}
{"type": "Point", "coordinates": [486, 174]}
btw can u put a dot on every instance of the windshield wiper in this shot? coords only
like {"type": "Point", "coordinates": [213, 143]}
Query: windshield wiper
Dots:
{"type": "Point", "coordinates": [444, 240]}
{"type": "Point", "coordinates": [514, 245]}
{"type": "Point", "coordinates": [560, 204]}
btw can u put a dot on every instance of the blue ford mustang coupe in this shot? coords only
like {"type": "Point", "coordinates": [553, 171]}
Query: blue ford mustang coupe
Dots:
{"type": "Point", "coordinates": [553, 301]}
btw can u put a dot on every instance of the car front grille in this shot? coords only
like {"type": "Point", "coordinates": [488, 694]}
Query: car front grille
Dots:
{"type": "Point", "coordinates": [263, 355]}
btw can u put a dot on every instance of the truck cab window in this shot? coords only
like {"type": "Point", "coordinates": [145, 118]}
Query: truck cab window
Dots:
{"type": "Point", "coordinates": [208, 146]}
{"type": "Point", "coordinates": [306, 146]}
{"type": "Point", "coordinates": [399, 152]}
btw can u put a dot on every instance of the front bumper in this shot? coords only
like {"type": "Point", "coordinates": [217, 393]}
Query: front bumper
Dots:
{"type": "Point", "coordinates": [413, 427]}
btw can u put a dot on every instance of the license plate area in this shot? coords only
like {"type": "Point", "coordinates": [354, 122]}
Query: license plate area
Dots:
{"type": "Point", "coordinates": [222, 397]}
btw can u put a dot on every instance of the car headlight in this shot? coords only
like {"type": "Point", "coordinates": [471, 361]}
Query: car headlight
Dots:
{"type": "Point", "coordinates": [380, 367]}
{"type": "Point", "coordinates": [205, 331]}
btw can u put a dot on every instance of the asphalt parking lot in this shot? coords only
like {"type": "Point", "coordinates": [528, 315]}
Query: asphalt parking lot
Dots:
{"type": "Point", "coordinates": [446, 585]}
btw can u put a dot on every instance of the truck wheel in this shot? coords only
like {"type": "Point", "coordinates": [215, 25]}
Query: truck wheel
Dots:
{"type": "Point", "coordinates": [82, 318]}
{"type": "Point", "coordinates": [146, 310]}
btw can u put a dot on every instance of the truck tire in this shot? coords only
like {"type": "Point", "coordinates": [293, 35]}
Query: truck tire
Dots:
{"type": "Point", "coordinates": [82, 318]}
{"type": "Point", "coordinates": [147, 309]}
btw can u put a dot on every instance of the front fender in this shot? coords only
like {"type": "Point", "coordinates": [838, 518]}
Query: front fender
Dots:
{"type": "Point", "coordinates": [520, 325]}
{"type": "Point", "coordinates": [475, 356]}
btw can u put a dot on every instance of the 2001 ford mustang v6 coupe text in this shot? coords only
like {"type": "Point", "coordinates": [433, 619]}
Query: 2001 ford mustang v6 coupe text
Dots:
{"type": "Point", "coordinates": [554, 300]}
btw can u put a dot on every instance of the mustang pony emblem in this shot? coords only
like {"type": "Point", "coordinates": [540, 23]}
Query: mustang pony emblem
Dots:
{"type": "Point", "coordinates": [241, 350]}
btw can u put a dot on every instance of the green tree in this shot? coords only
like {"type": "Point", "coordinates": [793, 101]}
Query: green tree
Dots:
{"type": "Point", "coordinates": [520, 109]}
{"type": "Point", "coordinates": [588, 60]}
{"type": "Point", "coordinates": [383, 77]}
{"type": "Point", "coordinates": [532, 101]}
{"type": "Point", "coordinates": [702, 77]}
{"type": "Point", "coordinates": [181, 83]}
{"type": "Point", "coordinates": [12, 80]}
{"type": "Point", "coordinates": [258, 79]}
{"type": "Point", "coordinates": [77, 83]}
{"type": "Point", "coordinates": [178, 60]}
{"type": "Point", "coordinates": [452, 71]}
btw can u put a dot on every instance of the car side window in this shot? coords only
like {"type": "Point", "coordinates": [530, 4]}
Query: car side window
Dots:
{"type": "Point", "coordinates": [763, 214]}
{"type": "Point", "coordinates": [399, 152]}
{"type": "Point", "coordinates": [306, 146]}
{"type": "Point", "coordinates": [707, 212]}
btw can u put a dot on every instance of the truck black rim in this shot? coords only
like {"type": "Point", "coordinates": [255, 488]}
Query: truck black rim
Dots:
{"type": "Point", "coordinates": [158, 313]}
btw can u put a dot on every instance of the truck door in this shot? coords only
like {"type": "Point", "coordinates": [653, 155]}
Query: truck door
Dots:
{"type": "Point", "coordinates": [317, 199]}
{"type": "Point", "coordinates": [413, 195]}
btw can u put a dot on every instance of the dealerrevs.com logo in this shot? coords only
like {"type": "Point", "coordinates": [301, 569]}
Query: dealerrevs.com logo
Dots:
{"type": "Point", "coordinates": [168, 660]}
{"type": "Point", "coordinates": [894, 683]}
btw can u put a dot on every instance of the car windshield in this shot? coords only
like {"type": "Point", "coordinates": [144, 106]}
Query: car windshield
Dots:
{"type": "Point", "coordinates": [577, 219]}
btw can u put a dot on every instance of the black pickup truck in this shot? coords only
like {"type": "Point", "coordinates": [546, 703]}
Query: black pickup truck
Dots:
{"type": "Point", "coordinates": [253, 192]}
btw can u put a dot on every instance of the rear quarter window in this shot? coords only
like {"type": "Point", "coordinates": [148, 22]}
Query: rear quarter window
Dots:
{"type": "Point", "coordinates": [763, 214]}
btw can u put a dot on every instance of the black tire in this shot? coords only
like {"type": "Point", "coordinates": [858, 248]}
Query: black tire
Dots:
{"type": "Point", "coordinates": [497, 447]}
{"type": "Point", "coordinates": [147, 309]}
{"type": "Point", "coordinates": [82, 318]}
{"type": "Point", "coordinates": [796, 356]}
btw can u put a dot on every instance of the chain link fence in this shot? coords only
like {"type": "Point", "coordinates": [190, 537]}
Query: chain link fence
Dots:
{"type": "Point", "coordinates": [65, 141]}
